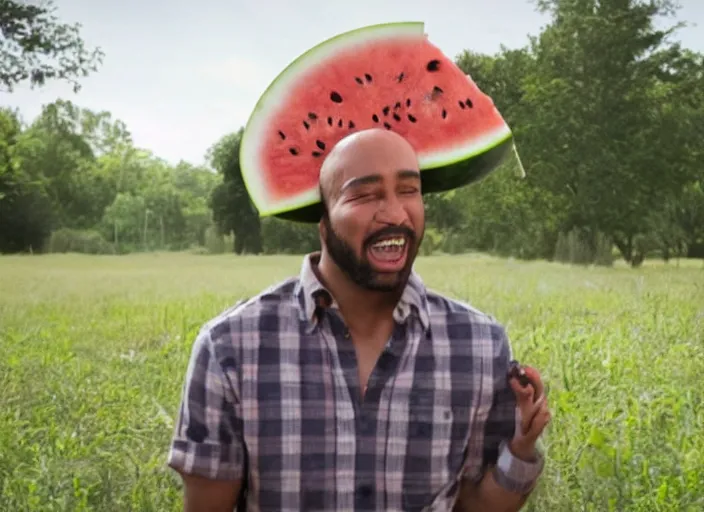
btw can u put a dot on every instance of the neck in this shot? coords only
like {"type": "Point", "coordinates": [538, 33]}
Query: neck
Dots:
{"type": "Point", "coordinates": [361, 308]}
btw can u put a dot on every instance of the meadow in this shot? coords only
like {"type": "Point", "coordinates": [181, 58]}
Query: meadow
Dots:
{"type": "Point", "coordinates": [93, 352]}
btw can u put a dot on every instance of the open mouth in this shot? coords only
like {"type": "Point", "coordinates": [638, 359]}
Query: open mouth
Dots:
{"type": "Point", "coordinates": [388, 254]}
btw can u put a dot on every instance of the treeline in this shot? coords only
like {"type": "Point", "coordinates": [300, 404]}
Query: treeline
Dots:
{"type": "Point", "coordinates": [608, 115]}
{"type": "Point", "coordinates": [73, 181]}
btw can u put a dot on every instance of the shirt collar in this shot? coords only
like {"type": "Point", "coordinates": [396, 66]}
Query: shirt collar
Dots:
{"type": "Point", "coordinates": [312, 294]}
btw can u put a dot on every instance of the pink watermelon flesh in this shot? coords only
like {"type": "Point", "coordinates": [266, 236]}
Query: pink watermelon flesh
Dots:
{"type": "Point", "coordinates": [408, 86]}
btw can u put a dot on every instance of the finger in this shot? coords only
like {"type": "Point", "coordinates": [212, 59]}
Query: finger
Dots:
{"type": "Point", "coordinates": [536, 381]}
{"type": "Point", "coordinates": [538, 423]}
{"type": "Point", "coordinates": [529, 411]}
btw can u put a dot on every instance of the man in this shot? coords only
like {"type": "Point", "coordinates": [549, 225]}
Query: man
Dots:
{"type": "Point", "coordinates": [352, 387]}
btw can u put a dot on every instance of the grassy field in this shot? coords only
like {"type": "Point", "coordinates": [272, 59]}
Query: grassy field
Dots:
{"type": "Point", "coordinates": [93, 351]}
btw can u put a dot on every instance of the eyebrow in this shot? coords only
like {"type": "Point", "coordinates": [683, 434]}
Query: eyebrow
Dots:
{"type": "Point", "coordinates": [375, 178]}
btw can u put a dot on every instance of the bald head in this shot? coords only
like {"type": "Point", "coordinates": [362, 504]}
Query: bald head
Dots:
{"type": "Point", "coordinates": [362, 153]}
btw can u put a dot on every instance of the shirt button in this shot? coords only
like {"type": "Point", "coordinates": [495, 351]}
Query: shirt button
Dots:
{"type": "Point", "coordinates": [365, 490]}
{"type": "Point", "coordinates": [366, 425]}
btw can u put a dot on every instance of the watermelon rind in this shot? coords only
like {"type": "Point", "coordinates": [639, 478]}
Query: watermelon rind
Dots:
{"type": "Point", "coordinates": [461, 165]}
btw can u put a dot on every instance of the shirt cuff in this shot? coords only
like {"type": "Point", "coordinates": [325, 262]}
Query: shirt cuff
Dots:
{"type": "Point", "coordinates": [208, 460]}
{"type": "Point", "coordinates": [515, 474]}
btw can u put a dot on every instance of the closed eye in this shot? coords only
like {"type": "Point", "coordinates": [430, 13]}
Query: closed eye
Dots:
{"type": "Point", "coordinates": [361, 197]}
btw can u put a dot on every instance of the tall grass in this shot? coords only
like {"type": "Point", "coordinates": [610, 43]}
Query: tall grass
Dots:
{"type": "Point", "coordinates": [93, 350]}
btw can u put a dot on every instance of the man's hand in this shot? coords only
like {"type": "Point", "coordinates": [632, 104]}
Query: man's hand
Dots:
{"type": "Point", "coordinates": [532, 418]}
{"type": "Point", "coordinates": [533, 414]}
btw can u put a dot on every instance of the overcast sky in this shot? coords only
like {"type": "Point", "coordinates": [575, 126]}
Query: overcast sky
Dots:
{"type": "Point", "coordinates": [182, 73]}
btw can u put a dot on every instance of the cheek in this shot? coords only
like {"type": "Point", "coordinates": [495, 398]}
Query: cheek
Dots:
{"type": "Point", "coordinates": [416, 214]}
{"type": "Point", "coordinates": [351, 224]}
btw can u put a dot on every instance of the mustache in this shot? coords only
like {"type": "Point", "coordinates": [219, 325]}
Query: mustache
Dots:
{"type": "Point", "coordinates": [390, 231]}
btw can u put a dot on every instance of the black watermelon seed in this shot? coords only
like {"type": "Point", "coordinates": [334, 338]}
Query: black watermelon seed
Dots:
{"type": "Point", "coordinates": [469, 103]}
{"type": "Point", "coordinates": [358, 80]}
{"type": "Point", "coordinates": [408, 102]}
{"type": "Point", "coordinates": [433, 65]}
{"type": "Point", "coordinates": [330, 121]}
{"type": "Point", "coordinates": [400, 77]}
{"type": "Point", "coordinates": [437, 90]}
{"type": "Point", "coordinates": [387, 126]}
{"type": "Point", "coordinates": [368, 77]}
{"type": "Point", "coordinates": [375, 118]}
{"type": "Point", "coordinates": [350, 125]}
{"type": "Point", "coordinates": [316, 154]}
{"type": "Point", "coordinates": [282, 135]}
{"type": "Point", "coordinates": [339, 123]}
{"type": "Point", "coordinates": [320, 144]}
{"type": "Point", "coordinates": [411, 118]}
{"type": "Point", "coordinates": [444, 113]}
{"type": "Point", "coordinates": [397, 117]}
{"type": "Point", "coordinates": [462, 105]}
{"type": "Point", "coordinates": [312, 116]}
{"type": "Point", "coordinates": [335, 96]}
{"type": "Point", "coordinates": [305, 123]}
{"type": "Point", "coordinates": [386, 110]}
{"type": "Point", "coordinates": [397, 106]}
{"type": "Point", "coordinates": [293, 151]}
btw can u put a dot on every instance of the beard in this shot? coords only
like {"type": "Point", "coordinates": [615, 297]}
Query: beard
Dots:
{"type": "Point", "coordinates": [358, 268]}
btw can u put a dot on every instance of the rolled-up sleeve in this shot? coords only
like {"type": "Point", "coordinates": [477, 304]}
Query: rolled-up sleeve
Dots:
{"type": "Point", "coordinates": [207, 439]}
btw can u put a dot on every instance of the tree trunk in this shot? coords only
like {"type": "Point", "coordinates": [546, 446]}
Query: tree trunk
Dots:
{"type": "Point", "coordinates": [638, 259]}
{"type": "Point", "coordinates": [239, 244]}
{"type": "Point", "coordinates": [625, 247]}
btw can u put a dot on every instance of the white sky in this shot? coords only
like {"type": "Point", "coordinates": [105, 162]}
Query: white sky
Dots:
{"type": "Point", "coordinates": [182, 73]}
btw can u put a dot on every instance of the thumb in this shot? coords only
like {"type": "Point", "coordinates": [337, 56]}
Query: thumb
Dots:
{"type": "Point", "coordinates": [524, 394]}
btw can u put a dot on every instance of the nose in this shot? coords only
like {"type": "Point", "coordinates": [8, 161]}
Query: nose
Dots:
{"type": "Point", "coordinates": [390, 211]}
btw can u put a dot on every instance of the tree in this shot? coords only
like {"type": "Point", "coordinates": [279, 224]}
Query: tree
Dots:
{"type": "Point", "coordinates": [596, 137]}
{"type": "Point", "coordinates": [195, 185]}
{"type": "Point", "coordinates": [233, 211]}
{"type": "Point", "coordinates": [55, 148]}
{"type": "Point", "coordinates": [26, 215]}
{"type": "Point", "coordinates": [37, 48]}
{"type": "Point", "coordinates": [503, 215]}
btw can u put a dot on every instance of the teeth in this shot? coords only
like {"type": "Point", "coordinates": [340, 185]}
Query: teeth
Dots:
{"type": "Point", "coordinates": [391, 242]}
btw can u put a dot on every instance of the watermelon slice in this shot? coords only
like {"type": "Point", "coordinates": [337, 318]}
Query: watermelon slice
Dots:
{"type": "Point", "coordinates": [387, 76]}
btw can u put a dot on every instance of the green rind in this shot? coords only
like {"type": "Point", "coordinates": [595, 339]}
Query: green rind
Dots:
{"type": "Point", "coordinates": [290, 70]}
{"type": "Point", "coordinates": [438, 179]}
{"type": "Point", "coordinates": [464, 172]}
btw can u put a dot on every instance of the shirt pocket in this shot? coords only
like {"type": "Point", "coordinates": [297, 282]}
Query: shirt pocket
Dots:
{"type": "Point", "coordinates": [435, 450]}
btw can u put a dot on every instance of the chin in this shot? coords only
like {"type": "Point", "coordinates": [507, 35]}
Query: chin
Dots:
{"type": "Point", "coordinates": [389, 281]}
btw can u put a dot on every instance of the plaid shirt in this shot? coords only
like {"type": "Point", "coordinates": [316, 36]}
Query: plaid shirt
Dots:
{"type": "Point", "coordinates": [272, 391]}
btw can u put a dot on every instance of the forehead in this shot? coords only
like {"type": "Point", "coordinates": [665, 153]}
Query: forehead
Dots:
{"type": "Point", "coordinates": [375, 162]}
{"type": "Point", "coordinates": [378, 178]}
